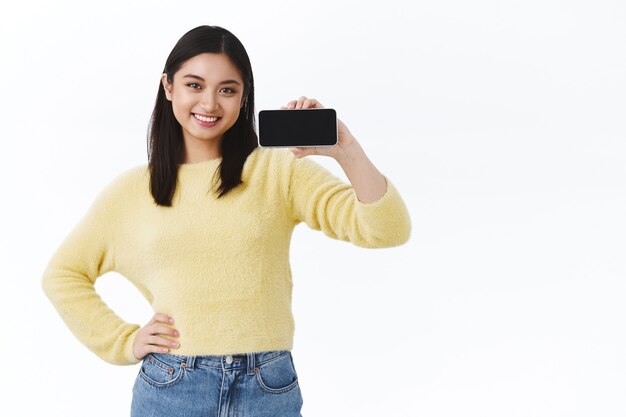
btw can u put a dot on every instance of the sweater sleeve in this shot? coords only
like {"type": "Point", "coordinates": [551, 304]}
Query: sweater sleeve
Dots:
{"type": "Point", "coordinates": [85, 254]}
{"type": "Point", "coordinates": [326, 203]}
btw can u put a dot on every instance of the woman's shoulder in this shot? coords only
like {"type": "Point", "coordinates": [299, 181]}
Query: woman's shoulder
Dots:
{"type": "Point", "coordinates": [127, 181]}
{"type": "Point", "coordinates": [270, 159]}
{"type": "Point", "coordinates": [132, 175]}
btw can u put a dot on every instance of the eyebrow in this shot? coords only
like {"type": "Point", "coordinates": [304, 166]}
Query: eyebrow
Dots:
{"type": "Point", "coordinates": [197, 77]}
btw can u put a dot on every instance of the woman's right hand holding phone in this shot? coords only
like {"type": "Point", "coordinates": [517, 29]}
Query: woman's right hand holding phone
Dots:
{"type": "Point", "coordinates": [150, 337]}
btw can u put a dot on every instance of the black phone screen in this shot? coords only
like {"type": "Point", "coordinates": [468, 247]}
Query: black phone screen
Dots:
{"type": "Point", "coordinates": [297, 127]}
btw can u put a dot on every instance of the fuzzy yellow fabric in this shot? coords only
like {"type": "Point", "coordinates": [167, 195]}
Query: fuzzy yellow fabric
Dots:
{"type": "Point", "coordinates": [219, 267]}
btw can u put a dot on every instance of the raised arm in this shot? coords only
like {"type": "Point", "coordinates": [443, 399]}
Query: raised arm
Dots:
{"type": "Point", "coordinates": [369, 211]}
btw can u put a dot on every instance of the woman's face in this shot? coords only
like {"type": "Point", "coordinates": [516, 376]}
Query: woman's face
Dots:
{"type": "Point", "coordinates": [206, 95]}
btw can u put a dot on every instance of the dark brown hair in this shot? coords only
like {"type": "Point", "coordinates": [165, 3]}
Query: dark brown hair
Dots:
{"type": "Point", "coordinates": [165, 136]}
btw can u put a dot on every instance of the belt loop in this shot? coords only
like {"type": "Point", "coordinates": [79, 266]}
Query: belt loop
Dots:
{"type": "Point", "coordinates": [251, 363]}
{"type": "Point", "coordinates": [190, 362]}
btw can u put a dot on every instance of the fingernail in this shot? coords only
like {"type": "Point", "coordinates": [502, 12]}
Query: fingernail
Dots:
{"type": "Point", "coordinates": [171, 320]}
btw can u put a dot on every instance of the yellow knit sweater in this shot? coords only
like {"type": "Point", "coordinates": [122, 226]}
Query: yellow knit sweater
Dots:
{"type": "Point", "coordinates": [219, 267]}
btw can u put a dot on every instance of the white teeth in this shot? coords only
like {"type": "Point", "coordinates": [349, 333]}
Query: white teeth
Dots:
{"type": "Point", "coordinates": [205, 119]}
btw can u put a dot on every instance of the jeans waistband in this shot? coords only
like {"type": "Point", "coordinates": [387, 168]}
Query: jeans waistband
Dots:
{"type": "Point", "coordinates": [248, 361]}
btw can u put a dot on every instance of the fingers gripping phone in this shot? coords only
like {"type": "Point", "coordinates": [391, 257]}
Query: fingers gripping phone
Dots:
{"type": "Point", "coordinates": [297, 128]}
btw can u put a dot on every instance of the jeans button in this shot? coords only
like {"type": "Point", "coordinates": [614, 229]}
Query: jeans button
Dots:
{"type": "Point", "coordinates": [229, 359]}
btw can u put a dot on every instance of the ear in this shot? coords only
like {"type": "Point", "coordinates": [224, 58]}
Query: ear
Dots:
{"type": "Point", "coordinates": [167, 86]}
{"type": "Point", "coordinates": [243, 102]}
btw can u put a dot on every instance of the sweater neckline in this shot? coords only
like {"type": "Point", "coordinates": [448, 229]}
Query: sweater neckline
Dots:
{"type": "Point", "coordinates": [203, 170]}
{"type": "Point", "coordinates": [195, 166]}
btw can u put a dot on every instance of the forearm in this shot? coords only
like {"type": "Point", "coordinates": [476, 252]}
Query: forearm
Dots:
{"type": "Point", "coordinates": [368, 183]}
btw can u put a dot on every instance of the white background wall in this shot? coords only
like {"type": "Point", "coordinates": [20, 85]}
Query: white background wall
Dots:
{"type": "Point", "coordinates": [500, 122]}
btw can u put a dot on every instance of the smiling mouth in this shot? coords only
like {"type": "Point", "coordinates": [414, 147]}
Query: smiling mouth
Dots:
{"type": "Point", "coordinates": [206, 119]}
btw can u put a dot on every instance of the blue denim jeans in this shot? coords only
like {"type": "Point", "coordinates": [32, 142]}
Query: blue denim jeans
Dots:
{"type": "Point", "coordinates": [260, 384]}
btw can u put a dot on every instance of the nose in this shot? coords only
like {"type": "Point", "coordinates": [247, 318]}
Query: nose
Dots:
{"type": "Point", "coordinates": [209, 101]}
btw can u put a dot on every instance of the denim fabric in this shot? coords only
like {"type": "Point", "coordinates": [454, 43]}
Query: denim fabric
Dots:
{"type": "Point", "coordinates": [260, 384]}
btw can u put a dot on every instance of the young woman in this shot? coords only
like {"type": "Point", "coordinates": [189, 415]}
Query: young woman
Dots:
{"type": "Point", "coordinates": [203, 231]}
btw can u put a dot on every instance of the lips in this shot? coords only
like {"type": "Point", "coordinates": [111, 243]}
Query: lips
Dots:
{"type": "Point", "coordinates": [206, 119]}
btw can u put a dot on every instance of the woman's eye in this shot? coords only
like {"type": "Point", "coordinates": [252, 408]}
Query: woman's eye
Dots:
{"type": "Point", "coordinates": [229, 90]}
{"type": "Point", "coordinates": [194, 85]}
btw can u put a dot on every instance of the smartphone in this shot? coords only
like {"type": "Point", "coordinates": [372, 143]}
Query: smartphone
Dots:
{"type": "Point", "coordinates": [297, 128]}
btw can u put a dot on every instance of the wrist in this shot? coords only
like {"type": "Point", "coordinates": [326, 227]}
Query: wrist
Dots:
{"type": "Point", "coordinates": [350, 152]}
